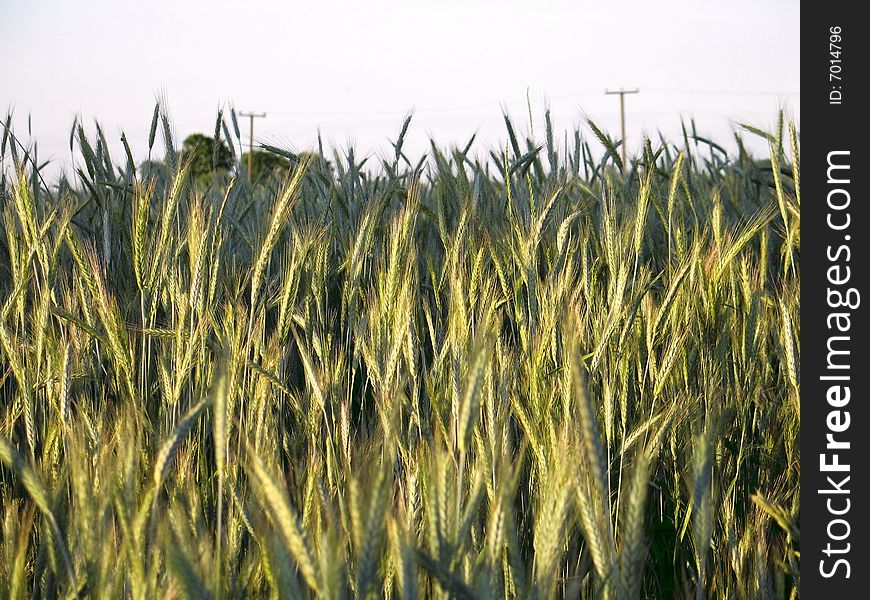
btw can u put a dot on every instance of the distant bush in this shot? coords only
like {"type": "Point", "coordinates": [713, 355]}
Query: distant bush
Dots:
{"type": "Point", "coordinates": [207, 154]}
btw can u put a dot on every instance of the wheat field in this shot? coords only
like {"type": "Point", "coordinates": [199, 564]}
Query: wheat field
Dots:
{"type": "Point", "coordinates": [539, 373]}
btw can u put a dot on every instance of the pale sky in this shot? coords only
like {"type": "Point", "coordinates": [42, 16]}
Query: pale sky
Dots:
{"type": "Point", "coordinates": [354, 69]}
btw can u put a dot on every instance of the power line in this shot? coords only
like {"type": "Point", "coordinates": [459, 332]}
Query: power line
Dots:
{"type": "Point", "coordinates": [486, 105]}
{"type": "Point", "coordinates": [622, 92]}
{"type": "Point", "coordinates": [722, 92]}
{"type": "Point", "coordinates": [252, 116]}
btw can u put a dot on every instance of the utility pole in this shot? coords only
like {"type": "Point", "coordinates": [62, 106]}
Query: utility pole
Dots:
{"type": "Point", "coordinates": [622, 92]}
{"type": "Point", "coordinates": [252, 116]}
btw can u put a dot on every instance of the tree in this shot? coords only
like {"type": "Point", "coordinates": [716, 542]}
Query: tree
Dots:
{"type": "Point", "coordinates": [266, 163]}
{"type": "Point", "coordinates": [208, 156]}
